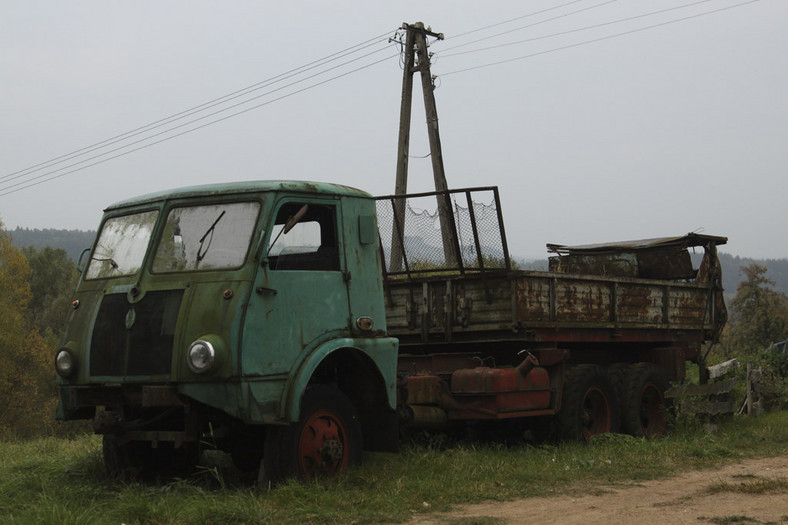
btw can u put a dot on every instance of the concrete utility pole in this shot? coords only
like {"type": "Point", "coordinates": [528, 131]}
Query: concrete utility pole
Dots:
{"type": "Point", "coordinates": [416, 47]}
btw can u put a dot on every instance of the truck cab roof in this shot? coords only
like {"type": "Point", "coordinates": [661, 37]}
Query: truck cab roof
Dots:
{"type": "Point", "coordinates": [229, 188]}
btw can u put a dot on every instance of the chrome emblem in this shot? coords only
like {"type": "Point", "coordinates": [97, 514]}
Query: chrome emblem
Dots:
{"type": "Point", "coordinates": [131, 316]}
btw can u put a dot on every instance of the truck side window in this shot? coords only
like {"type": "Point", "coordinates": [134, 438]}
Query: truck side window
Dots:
{"type": "Point", "coordinates": [311, 244]}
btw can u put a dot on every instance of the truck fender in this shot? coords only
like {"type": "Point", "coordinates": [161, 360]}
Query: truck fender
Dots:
{"type": "Point", "coordinates": [380, 351]}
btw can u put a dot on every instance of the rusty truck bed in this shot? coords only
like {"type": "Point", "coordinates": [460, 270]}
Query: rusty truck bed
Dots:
{"type": "Point", "coordinates": [549, 307]}
{"type": "Point", "coordinates": [450, 285]}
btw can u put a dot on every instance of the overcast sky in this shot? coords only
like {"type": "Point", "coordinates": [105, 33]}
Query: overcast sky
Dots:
{"type": "Point", "coordinates": [600, 122]}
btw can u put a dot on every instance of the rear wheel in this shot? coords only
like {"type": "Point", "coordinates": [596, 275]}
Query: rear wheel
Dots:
{"type": "Point", "coordinates": [643, 407]}
{"type": "Point", "coordinates": [589, 405]}
{"type": "Point", "coordinates": [325, 442]}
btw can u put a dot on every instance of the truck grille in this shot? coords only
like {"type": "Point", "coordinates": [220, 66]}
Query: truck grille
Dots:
{"type": "Point", "coordinates": [135, 339]}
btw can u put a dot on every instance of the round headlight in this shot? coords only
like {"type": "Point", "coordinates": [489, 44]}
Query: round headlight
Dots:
{"type": "Point", "coordinates": [201, 356]}
{"type": "Point", "coordinates": [64, 363]}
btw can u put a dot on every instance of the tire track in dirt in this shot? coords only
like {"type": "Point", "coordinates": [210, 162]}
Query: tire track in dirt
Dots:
{"type": "Point", "coordinates": [676, 500]}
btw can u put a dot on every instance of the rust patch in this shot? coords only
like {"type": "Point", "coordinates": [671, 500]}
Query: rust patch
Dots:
{"type": "Point", "coordinates": [639, 304]}
{"type": "Point", "coordinates": [687, 306]}
{"type": "Point", "coordinates": [485, 380]}
{"type": "Point", "coordinates": [581, 301]}
{"type": "Point", "coordinates": [423, 390]}
{"type": "Point", "coordinates": [533, 300]}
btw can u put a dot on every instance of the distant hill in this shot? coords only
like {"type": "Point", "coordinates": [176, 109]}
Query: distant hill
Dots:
{"type": "Point", "coordinates": [73, 241]}
{"type": "Point", "coordinates": [732, 275]}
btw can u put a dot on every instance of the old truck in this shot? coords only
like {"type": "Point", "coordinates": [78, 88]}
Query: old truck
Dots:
{"type": "Point", "coordinates": [296, 324]}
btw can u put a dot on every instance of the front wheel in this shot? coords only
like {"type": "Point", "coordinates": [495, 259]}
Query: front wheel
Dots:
{"type": "Point", "coordinates": [589, 405]}
{"type": "Point", "coordinates": [325, 441]}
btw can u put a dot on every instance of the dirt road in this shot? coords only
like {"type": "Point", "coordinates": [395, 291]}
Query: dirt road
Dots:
{"type": "Point", "coordinates": [687, 498]}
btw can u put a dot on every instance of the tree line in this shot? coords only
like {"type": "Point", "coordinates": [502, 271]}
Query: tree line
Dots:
{"type": "Point", "coordinates": [37, 289]}
{"type": "Point", "coordinates": [71, 241]}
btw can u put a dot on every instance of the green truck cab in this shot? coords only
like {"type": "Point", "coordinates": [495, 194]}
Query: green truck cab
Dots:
{"type": "Point", "coordinates": [252, 312]}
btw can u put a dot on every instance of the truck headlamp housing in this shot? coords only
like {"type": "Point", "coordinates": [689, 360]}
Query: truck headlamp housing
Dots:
{"type": "Point", "coordinates": [65, 364]}
{"type": "Point", "coordinates": [201, 356]}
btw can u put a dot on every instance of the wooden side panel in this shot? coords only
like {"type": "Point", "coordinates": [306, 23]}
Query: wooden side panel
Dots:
{"type": "Point", "coordinates": [503, 306]}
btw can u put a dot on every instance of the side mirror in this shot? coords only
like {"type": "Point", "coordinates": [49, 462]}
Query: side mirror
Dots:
{"type": "Point", "coordinates": [80, 264]}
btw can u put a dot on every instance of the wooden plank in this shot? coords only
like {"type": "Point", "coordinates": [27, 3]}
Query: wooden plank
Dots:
{"type": "Point", "coordinates": [704, 406]}
{"type": "Point", "coordinates": [722, 368]}
{"type": "Point", "coordinates": [721, 387]}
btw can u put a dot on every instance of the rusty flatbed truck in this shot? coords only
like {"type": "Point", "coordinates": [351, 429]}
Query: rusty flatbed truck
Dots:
{"type": "Point", "coordinates": [296, 324]}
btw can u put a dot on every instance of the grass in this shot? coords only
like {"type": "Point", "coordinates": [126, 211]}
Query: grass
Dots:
{"type": "Point", "coordinates": [728, 520]}
{"type": "Point", "coordinates": [62, 481]}
{"type": "Point", "coordinates": [756, 486]}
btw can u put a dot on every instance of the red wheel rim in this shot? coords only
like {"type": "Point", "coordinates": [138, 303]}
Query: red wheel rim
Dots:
{"type": "Point", "coordinates": [595, 413]}
{"type": "Point", "coordinates": [652, 411]}
{"type": "Point", "coordinates": [323, 446]}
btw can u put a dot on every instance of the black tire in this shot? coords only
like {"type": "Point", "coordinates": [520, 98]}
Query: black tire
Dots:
{"type": "Point", "coordinates": [246, 460]}
{"type": "Point", "coordinates": [589, 405]}
{"type": "Point", "coordinates": [619, 372]}
{"type": "Point", "coordinates": [325, 442]}
{"type": "Point", "coordinates": [246, 452]}
{"type": "Point", "coordinates": [542, 429]}
{"type": "Point", "coordinates": [643, 406]}
{"type": "Point", "coordinates": [116, 457]}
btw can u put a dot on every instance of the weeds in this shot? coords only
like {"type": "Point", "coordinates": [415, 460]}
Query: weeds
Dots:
{"type": "Point", "coordinates": [473, 520]}
{"type": "Point", "coordinates": [727, 520]}
{"type": "Point", "coordinates": [53, 480]}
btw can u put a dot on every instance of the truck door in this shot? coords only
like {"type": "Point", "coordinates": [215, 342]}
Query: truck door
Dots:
{"type": "Point", "coordinates": [301, 293]}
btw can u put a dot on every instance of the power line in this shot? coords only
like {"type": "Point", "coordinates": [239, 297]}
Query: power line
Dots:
{"type": "Point", "coordinates": [169, 130]}
{"type": "Point", "coordinates": [512, 20]}
{"type": "Point", "coordinates": [199, 108]}
{"type": "Point", "coordinates": [595, 40]}
{"type": "Point", "coordinates": [529, 25]}
{"type": "Point", "coordinates": [569, 31]}
{"type": "Point", "coordinates": [28, 181]}
{"type": "Point", "coordinates": [146, 129]}
{"type": "Point", "coordinates": [40, 180]}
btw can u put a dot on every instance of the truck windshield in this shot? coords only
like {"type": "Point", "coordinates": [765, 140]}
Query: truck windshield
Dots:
{"type": "Point", "coordinates": [209, 237]}
{"type": "Point", "coordinates": [121, 245]}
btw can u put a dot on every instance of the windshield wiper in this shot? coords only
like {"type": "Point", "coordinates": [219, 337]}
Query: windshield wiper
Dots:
{"type": "Point", "coordinates": [200, 252]}
{"type": "Point", "coordinates": [110, 260]}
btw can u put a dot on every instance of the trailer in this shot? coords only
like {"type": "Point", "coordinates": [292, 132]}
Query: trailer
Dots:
{"type": "Point", "coordinates": [296, 324]}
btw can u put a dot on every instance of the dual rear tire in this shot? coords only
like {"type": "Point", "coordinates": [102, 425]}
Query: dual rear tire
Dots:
{"type": "Point", "coordinates": [620, 398]}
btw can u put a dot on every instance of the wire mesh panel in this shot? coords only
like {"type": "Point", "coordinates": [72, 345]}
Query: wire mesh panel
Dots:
{"type": "Point", "coordinates": [456, 230]}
